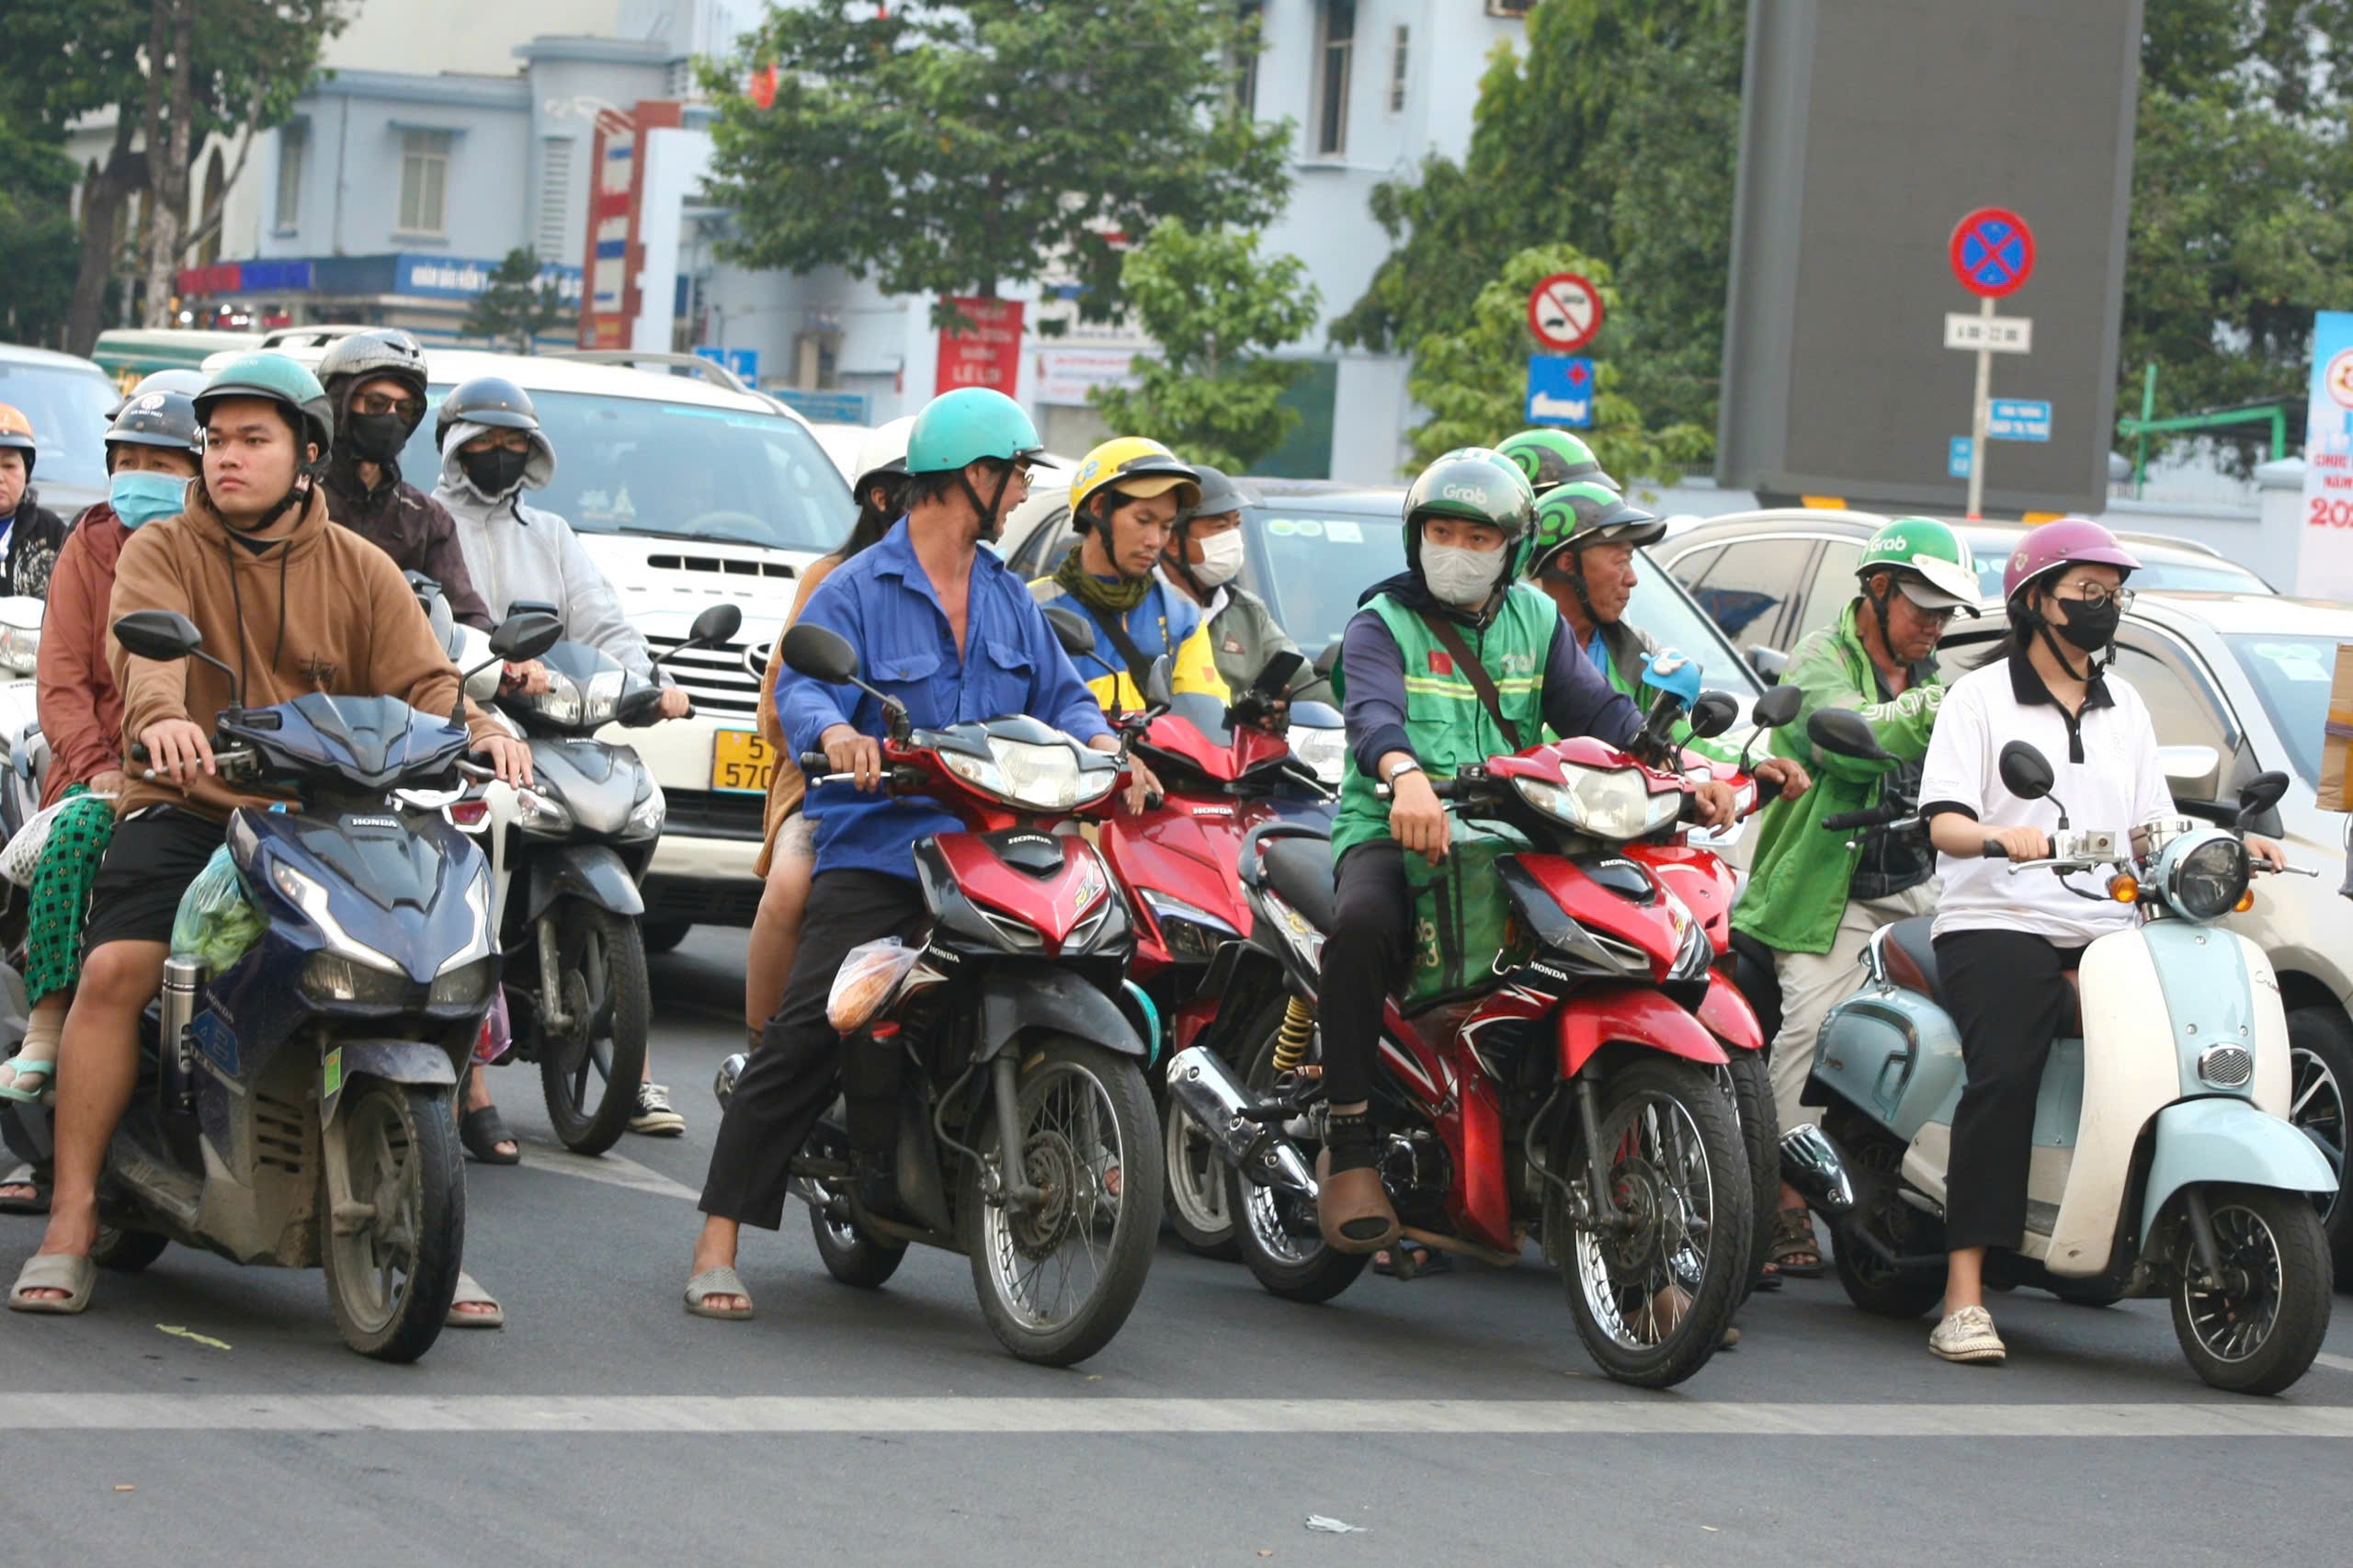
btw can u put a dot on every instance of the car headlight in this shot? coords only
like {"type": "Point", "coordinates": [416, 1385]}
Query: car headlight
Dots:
{"type": "Point", "coordinates": [1048, 778]}
{"type": "Point", "coordinates": [468, 985]}
{"type": "Point", "coordinates": [332, 977]}
{"type": "Point", "coordinates": [1614, 803]}
{"type": "Point", "coordinates": [646, 817]}
{"type": "Point", "coordinates": [2205, 881]}
{"type": "Point", "coordinates": [20, 649]}
{"type": "Point", "coordinates": [311, 900]}
{"type": "Point", "coordinates": [1324, 750]}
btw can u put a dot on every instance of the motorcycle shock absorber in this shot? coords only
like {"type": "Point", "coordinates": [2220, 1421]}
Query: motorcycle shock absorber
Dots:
{"type": "Point", "coordinates": [1291, 1044]}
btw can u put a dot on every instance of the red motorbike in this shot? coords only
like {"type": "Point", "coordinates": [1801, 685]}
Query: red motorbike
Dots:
{"type": "Point", "coordinates": [1577, 1097]}
{"type": "Point", "coordinates": [1222, 772]}
{"type": "Point", "coordinates": [1025, 1138]}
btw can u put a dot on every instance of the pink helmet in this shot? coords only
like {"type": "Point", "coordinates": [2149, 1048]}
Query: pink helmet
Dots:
{"type": "Point", "coordinates": [2057, 545]}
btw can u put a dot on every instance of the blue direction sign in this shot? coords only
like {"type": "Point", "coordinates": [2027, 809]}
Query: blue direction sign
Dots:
{"type": "Point", "coordinates": [1560, 391]}
{"type": "Point", "coordinates": [1958, 456]}
{"type": "Point", "coordinates": [825, 407]}
{"type": "Point", "coordinates": [744, 362]}
{"type": "Point", "coordinates": [2018, 419]}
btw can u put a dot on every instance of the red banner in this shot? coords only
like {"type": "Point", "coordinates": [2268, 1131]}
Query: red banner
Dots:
{"type": "Point", "coordinates": [989, 353]}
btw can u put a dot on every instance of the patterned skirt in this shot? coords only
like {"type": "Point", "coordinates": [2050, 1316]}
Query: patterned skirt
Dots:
{"type": "Point", "coordinates": [78, 837]}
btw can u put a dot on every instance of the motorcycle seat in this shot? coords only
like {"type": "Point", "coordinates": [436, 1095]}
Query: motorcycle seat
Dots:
{"type": "Point", "coordinates": [1301, 870]}
{"type": "Point", "coordinates": [1910, 958]}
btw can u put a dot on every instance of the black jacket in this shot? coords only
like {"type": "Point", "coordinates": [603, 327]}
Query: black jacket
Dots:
{"type": "Point", "coordinates": [35, 536]}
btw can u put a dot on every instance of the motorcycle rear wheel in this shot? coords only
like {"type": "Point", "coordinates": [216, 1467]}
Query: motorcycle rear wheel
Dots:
{"type": "Point", "coordinates": [1198, 1207]}
{"type": "Point", "coordinates": [1091, 1146]}
{"type": "Point", "coordinates": [1679, 1167]}
{"type": "Point", "coordinates": [1275, 1231]}
{"type": "Point", "coordinates": [391, 1280]}
{"type": "Point", "coordinates": [1870, 1282]}
{"type": "Point", "coordinates": [590, 1075]}
{"type": "Point", "coordinates": [2262, 1334]}
{"type": "Point", "coordinates": [1751, 1083]}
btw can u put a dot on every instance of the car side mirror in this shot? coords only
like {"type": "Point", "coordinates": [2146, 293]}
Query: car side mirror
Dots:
{"type": "Point", "coordinates": [1776, 708]}
{"type": "Point", "coordinates": [2192, 772]}
{"type": "Point", "coordinates": [2258, 798]}
{"type": "Point", "coordinates": [820, 653]}
{"type": "Point", "coordinates": [161, 634]}
{"type": "Point", "coordinates": [714, 628]}
{"type": "Point", "coordinates": [1072, 630]}
{"type": "Point", "coordinates": [2025, 771]}
{"type": "Point", "coordinates": [1844, 732]}
{"type": "Point", "coordinates": [1713, 714]}
{"type": "Point", "coordinates": [526, 635]}
{"type": "Point", "coordinates": [1770, 663]}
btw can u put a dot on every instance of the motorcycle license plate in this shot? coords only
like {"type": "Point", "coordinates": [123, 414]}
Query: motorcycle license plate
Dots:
{"type": "Point", "coordinates": [741, 762]}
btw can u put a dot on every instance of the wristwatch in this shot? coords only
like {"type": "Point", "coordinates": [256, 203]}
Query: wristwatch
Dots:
{"type": "Point", "coordinates": [1408, 766]}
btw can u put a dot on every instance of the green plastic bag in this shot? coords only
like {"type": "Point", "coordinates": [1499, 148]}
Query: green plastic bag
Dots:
{"type": "Point", "coordinates": [1461, 913]}
{"type": "Point", "coordinates": [217, 919]}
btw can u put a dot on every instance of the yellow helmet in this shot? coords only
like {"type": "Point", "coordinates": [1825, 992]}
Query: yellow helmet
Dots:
{"type": "Point", "coordinates": [1134, 467]}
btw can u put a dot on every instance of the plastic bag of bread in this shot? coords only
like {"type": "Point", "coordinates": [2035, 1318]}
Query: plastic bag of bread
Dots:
{"type": "Point", "coordinates": [870, 973]}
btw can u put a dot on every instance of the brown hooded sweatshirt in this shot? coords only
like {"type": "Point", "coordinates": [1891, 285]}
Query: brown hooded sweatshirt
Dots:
{"type": "Point", "coordinates": [320, 610]}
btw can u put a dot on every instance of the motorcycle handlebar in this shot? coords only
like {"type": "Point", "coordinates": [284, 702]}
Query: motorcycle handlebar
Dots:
{"type": "Point", "coordinates": [1872, 816]}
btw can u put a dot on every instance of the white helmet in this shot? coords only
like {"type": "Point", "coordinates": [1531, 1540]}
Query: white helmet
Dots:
{"type": "Point", "coordinates": [884, 453]}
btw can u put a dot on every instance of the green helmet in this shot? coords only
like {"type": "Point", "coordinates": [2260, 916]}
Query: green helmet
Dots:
{"type": "Point", "coordinates": [968, 426]}
{"type": "Point", "coordinates": [276, 379]}
{"type": "Point", "coordinates": [1571, 516]}
{"type": "Point", "coordinates": [1932, 563]}
{"type": "Point", "coordinates": [1477, 484]}
{"type": "Point", "coordinates": [1552, 457]}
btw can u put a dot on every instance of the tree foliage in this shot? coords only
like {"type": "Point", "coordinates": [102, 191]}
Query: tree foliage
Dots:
{"type": "Point", "coordinates": [1216, 307]}
{"type": "Point", "coordinates": [518, 305]}
{"type": "Point", "coordinates": [954, 150]}
{"type": "Point", "coordinates": [1474, 380]}
{"type": "Point", "coordinates": [37, 242]}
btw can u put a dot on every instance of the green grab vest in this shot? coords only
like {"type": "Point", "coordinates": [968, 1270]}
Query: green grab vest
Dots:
{"type": "Point", "coordinates": [1448, 723]}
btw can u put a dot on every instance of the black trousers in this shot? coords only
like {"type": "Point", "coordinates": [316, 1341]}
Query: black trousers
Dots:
{"type": "Point", "coordinates": [796, 1071]}
{"type": "Point", "coordinates": [1364, 960]}
{"type": "Point", "coordinates": [2010, 994]}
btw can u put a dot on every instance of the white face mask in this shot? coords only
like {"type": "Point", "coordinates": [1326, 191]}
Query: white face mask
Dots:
{"type": "Point", "coordinates": [1461, 577]}
{"type": "Point", "coordinates": [1221, 559]}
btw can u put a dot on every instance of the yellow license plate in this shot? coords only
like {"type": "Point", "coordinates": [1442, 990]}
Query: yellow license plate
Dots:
{"type": "Point", "coordinates": [741, 761]}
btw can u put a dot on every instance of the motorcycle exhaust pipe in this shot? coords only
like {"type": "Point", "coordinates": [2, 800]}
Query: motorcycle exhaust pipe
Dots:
{"type": "Point", "coordinates": [1216, 1100]}
{"type": "Point", "coordinates": [1815, 1167]}
{"type": "Point", "coordinates": [723, 1087]}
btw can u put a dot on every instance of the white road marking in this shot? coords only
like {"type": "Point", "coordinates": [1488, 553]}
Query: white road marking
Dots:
{"type": "Point", "coordinates": [613, 1170]}
{"type": "Point", "coordinates": [2341, 1363]}
{"type": "Point", "coordinates": [592, 1415]}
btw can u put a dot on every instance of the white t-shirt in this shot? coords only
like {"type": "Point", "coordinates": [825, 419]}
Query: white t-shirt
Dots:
{"type": "Point", "coordinates": [2107, 776]}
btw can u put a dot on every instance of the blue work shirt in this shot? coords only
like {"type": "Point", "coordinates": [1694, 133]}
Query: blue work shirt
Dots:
{"type": "Point", "coordinates": [882, 601]}
{"type": "Point", "coordinates": [1598, 652]}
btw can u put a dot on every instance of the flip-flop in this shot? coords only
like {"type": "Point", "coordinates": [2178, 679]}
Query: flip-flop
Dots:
{"type": "Point", "coordinates": [34, 1203]}
{"type": "Point", "coordinates": [470, 1293]}
{"type": "Point", "coordinates": [54, 1271]}
{"type": "Point", "coordinates": [1793, 1238]}
{"type": "Point", "coordinates": [721, 1280]}
{"type": "Point", "coordinates": [21, 1070]}
{"type": "Point", "coordinates": [481, 1131]}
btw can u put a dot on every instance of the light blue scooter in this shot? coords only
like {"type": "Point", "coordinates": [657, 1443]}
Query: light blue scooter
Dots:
{"type": "Point", "coordinates": [2162, 1164]}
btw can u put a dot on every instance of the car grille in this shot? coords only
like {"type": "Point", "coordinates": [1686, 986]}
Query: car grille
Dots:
{"type": "Point", "coordinates": [701, 900]}
{"type": "Point", "coordinates": [715, 814]}
{"type": "Point", "coordinates": [719, 680]}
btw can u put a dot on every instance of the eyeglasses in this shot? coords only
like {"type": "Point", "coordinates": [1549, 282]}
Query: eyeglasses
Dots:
{"type": "Point", "coordinates": [2097, 595]}
{"type": "Point", "coordinates": [409, 408]}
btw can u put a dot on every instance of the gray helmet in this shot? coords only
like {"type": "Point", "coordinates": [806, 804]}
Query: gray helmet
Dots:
{"type": "Point", "coordinates": [487, 400]}
{"type": "Point", "coordinates": [1220, 494]}
{"type": "Point", "coordinates": [156, 419]}
{"type": "Point", "coordinates": [184, 381]}
{"type": "Point", "coordinates": [382, 351]}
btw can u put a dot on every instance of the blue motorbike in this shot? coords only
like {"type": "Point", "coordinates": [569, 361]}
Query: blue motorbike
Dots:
{"type": "Point", "coordinates": [295, 1108]}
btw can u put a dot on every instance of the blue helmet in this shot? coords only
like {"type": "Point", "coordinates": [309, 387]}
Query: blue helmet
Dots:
{"type": "Point", "coordinates": [967, 426]}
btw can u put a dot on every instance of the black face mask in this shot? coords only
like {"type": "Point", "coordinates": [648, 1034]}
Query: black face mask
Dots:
{"type": "Point", "coordinates": [495, 471]}
{"type": "Point", "coordinates": [2088, 627]}
{"type": "Point", "coordinates": [374, 437]}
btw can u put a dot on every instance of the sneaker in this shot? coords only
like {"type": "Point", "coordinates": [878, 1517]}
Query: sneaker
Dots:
{"type": "Point", "coordinates": [1968, 1335]}
{"type": "Point", "coordinates": [655, 1116]}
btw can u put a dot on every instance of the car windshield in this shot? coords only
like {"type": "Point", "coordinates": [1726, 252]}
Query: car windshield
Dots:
{"type": "Point", "coordinates": [1313, 566]}
{"type": "Point", "coordinates": [2291, 675]}
{"type": "Point", "coordinates": [676, 470]}
{"type": "Point", "coordinates": [2163, 574]}
{"type": "Point", "coordinates": [66, 406]}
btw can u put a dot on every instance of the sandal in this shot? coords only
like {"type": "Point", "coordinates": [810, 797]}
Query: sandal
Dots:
{"type": "Point", "coordinates": [18, 1069]}
{"type": "Point", "coordinates": [74, 1274]}
{"type": "Point", "coordinates": [471, 1294]}
{"type": "Point", "coordinates": [481, 1131]}
{"type": "Point", "coordinates": [1420, 1261]}
{"type": "Point", "coordinates": [717, 1281]}
{"type": "Point", "coordinates": [1796, 1253]}
{"type": "Point", "coordinates": [19, 1194]}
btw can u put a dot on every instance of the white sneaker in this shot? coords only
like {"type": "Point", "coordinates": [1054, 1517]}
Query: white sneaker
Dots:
{"type": "Point", "coordinates": [655, 1115]}
{"type": "Point", "coordinates": [1968, 1335]}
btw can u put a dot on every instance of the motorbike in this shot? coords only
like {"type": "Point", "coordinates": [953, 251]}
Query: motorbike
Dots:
{"type": "Point", "coordinates": [1576, 1094]}
{"type": "Point", "coordinates": [2162, 1165]}
{"type": "Point", "coordinates": [1025, 1137]}
{"type": "Point", "coordinates": [294, 1109]}
{"type": "Point", "coordinates": [24, 754]}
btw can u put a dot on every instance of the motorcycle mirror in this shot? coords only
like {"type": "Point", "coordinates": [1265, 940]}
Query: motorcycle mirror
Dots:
{"type": "Point", "coordinates": [2258, 795]}
{"type": "Point", "coordinates": [714, 628]}
{"type": "Point", "coordinates": [1770, 663]}
{"type": "Point", "coordinates": [1280, 671]}
{"type": "Point", "coordinates": [1776, 708]}
{"type": "Point", "coordinates": [1072, 630]}
{"type": "Point", "coordinates": [424, 587]}
{"type": "Point", "coordinates": [526, 635]}
{"type": "Point", "coordinates": [1159, 691]}
{"type": "Point", "coordinates": [1844, 732]}
{"type": "Point", "coordinates": [161, 634]}
{"type": "Point", "coordinates": [820, 653]}
{"type": "Point", "coordinates": [2026, 772]}
{"type": "Point", "coordinates": [1713, 714]}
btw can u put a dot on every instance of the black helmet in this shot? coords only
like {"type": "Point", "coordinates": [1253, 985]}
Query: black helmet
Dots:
{"type": "Point", "coordinates": [382, 351]}
{"type": "Point", "coordinates": [487, 400]}
{"type": "Point", "coordinates": [185, 381]}
{"type": "Point", "coordinates": [1477, 484]}
{"type": "Point", "coordinates": [155, 419]}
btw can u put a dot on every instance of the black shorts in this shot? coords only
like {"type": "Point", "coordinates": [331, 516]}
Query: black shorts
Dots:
{"type": "Point", "coordinates": [154, 857]}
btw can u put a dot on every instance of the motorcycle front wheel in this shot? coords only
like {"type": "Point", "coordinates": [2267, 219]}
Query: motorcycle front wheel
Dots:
{"type": "Point", "coordinates": [1652, 1293]}
{"type": "Point", "coordinates": [392, 1267]}
{"type": "Point", "coordinates": [1198, 1210]}
{"type": "Point", "coordinates": [1057, 1278]}
{"type": "Point", "coordinates": [1749, 1080]}
{"type": "Point", "coordinates": [2259, 1331]}
{"type": "Point", "coordinates": [590, 1071]}
{"type": "Point", "coordinates": [1275, 1230]}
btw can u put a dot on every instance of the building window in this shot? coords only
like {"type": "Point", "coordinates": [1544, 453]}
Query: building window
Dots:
{"type": "Point", "coordinates": [1333, 52]}
{"type": "Point", "coordinates": [294, 152]}
{"type": "Point", "coordinates": [424, 180]}
{"type": "Point", "coordinates": [554, 241]}
{"type": "Point", "coordinates": [1398, 56]}
{"type": "Point", "coordinates": [1516, 9]}
{"type": "Point", "coordinates": [1245, 63]}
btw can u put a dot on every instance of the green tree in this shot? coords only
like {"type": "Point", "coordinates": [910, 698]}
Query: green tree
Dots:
{"type": "Point", "coordinates": [37, 242]}
{"type": "Point", "coordinates": [952, 150]}
{"type": "Point", "coordinates": [1216, 308]}
{"type": "Point", "coordinates": [1474, 380]}
{"type": "Point", "coordinates": [518, 306]}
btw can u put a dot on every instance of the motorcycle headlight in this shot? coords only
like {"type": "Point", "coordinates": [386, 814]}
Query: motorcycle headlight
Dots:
{"type": "Point", "coordinates": [1614, 803]}
{"type": "Point", "coordinates": [577, 704]}
{"type": "Point", "coordinates": [311, 900]}
{"type": "Point", "coordinates": [20, 649]}
{"type": "Point", "coordinates": [1324, 750]}
{"type": "Point", "coordinates": [2204, 881]}
{"type": "Point", "coordinates": [1048, 778]}
{"type": "Point", "coordinates": [537, 812]}
{"type": "Point", "coordinates": [646, 817]}
{"type": "Point", "coordinates": [332, 977]}
{"type": "Point", "coordinates": [468, 985]}
{"type": "Point", "coordinates": [1192, 934]}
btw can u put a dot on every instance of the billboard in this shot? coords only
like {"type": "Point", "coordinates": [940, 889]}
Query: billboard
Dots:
{"type": "Point", "coordinates": [1869, 128]}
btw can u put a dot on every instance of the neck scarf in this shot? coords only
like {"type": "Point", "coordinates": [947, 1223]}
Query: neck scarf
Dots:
{"type": "Point", "coordinates": [1115, 599]}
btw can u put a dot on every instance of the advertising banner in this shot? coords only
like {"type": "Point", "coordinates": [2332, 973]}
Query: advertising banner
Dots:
{"type": "Point", "coordinates": [2324, 555]}
{"type": "Point", "coordinates": [989, 353]}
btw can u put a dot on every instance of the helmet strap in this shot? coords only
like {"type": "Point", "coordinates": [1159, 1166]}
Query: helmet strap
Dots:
{"type": "Point", "coordinates": [1180, 565]}
{"type": "Point", "coordinates": [1879, 613]}
{"type": "Point", "coordinates": [2093, 669]}
{"type": "Point", "coordinates": [992, 525]}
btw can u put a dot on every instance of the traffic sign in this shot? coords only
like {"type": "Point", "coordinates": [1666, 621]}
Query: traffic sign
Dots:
{"type": "Point", "coordinates": [1989, 334]}
{"type": "Point", "coordinates": [1993, 252]}
{"type": "Point", "coordinates": [743, 363]}
{"type": "Point", "coordinates": [1565, 311]}
{"type": "Point", "coordinates": [1957, 456]}
{"type": "Point", "coordinates": [2018, 419]}
{"type": "Point", "coordinates": [1560, 391]}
